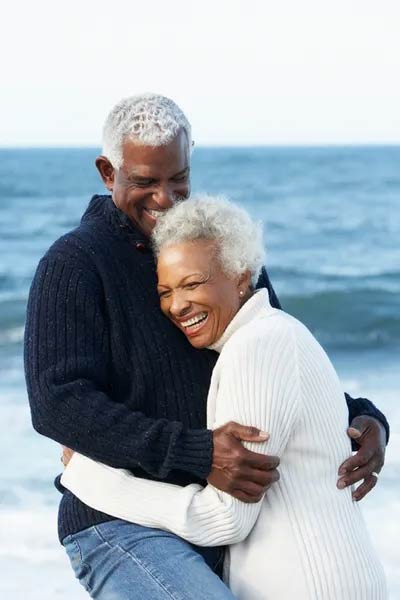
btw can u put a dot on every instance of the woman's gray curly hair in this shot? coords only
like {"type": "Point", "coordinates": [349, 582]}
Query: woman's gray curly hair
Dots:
{"type": "Point", "coordinates": [239, 239]}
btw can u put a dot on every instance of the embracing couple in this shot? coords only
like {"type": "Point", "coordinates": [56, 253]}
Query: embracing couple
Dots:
{"type": "Point", "coordinates": [158, 353]}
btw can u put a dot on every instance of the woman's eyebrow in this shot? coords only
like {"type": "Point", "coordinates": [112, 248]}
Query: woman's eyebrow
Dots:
{"type": "Point", "coordinates": [182, 281]}
{"type": "Point", "coordinates": [202, 276]}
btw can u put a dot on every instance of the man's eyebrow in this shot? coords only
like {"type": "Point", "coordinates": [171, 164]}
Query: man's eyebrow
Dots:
{"type": "Point", "coordinates": [185, 170]}
{"type": "Point", "coordinates": [134, 175]}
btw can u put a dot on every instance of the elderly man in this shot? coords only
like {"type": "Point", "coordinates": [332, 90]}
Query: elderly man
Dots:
{"type": "Point", "coordinates": [112, 378]}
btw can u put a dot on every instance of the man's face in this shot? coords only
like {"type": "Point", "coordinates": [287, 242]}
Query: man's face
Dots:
{"type": "Point", "coordinates": [149, 181]}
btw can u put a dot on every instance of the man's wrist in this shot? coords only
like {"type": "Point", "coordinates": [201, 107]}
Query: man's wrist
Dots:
{"type": "Point", "coordinates": [359, 407]}
{"type": "Point", "coordinates": [193, 452]}
{"type": "Point", "coordinates": [355, 423]}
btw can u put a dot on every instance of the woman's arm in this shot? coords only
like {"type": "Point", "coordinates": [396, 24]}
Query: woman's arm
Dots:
{"type": "Point", "coordinates": [369, 445]}
{"type": "Point", "coordinates": [258, 386]}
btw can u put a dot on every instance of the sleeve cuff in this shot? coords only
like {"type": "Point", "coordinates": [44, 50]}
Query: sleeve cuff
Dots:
{"type": "Point", "coordinates": [193, 452]}
{"type": "Point", "coordinates": [362, 406]}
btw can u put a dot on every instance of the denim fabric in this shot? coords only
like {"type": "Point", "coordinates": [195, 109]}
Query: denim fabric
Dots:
{"type": "Point", "coordinates": [123, 561]}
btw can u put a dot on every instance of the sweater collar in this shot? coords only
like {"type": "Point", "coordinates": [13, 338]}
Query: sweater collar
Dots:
{"type": "Point", "coordinates": [103, 206]}
{"type": "Point", "coordinates": [250, 310]}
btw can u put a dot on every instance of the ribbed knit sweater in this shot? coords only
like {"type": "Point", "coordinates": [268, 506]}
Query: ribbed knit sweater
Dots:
{"type": "Point", "coordinates": [107, 374]}
{"type": "Point", "coordinates": [308, 539]}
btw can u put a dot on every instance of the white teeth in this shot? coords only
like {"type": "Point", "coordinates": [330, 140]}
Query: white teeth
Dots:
{"type": "Point", "coordinates": [154, 213]}
{"type": "Point", "coordinates": [195, 320]}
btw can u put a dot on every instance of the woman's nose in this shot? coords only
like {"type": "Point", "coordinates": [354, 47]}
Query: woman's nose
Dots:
{"type": "Point", "coordinates": [179, 305]}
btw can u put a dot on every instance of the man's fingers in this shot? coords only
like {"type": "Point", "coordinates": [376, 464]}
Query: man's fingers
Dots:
{"type": "Point", "coordinates": [263, 462]}
{"type": "Point", "coordinates": [360, 459]}
{"type": "Point", "coordinates": [363, 489]}
{"type": "Point", "coordinates": [354, 433]}
{"type": "Point", "coordinates": [371, 437]}
{"type": "Point", "coordinates": [247, 434]}
{"type": "Point", "coordinates": [234, 467]}
{"type": "Point", "coordinates": [252, 489]}
{"type": "Point", "coordinates": [260, 477]}
{"type": "Point", "coordinates": [249, 491]}
{"type": "Point", "coordinates": [240, 495]}
{"type": "Point", "coordinates": [354, 477]}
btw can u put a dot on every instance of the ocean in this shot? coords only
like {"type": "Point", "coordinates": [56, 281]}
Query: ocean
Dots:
{"type": "Point", "coordinates": [332, 231]}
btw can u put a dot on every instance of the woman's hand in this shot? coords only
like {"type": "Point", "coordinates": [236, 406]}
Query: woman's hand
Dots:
{"type": "Point", "coordinates": [367, 463]}
{"type": "Point", "coordinates": [66, 455]}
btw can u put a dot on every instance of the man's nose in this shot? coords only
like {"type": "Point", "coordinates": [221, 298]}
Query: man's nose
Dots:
{"type": "Point", "coordinates": [164, 196]}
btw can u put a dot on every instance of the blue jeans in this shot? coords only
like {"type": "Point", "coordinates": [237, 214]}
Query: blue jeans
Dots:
{"type": "Point", "coordinates": [118, 560]}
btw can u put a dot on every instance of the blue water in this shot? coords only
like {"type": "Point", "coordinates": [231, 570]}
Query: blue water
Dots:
{"type": "Point", "coordinates": [332, 230]}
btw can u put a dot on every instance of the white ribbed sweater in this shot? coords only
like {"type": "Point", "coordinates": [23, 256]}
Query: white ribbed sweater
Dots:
{"type": "Point", "coordinates": [305, 539]}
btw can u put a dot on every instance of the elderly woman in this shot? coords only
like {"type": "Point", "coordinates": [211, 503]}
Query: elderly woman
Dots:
{"type": "Point", "coordinates": [305, 539]}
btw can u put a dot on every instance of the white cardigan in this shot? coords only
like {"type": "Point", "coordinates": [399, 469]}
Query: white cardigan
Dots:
{"type": "Point", "coordinates": [305, 539]}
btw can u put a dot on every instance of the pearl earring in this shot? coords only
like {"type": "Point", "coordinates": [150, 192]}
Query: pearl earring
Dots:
{"type": "Point", "coordinates": [241, 293]}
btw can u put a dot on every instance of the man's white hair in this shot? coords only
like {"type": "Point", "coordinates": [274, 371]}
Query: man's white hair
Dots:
{"type": "Point", "coordinates": [150, 119]}
{"type": "Point", "coordinates": [239, 239]}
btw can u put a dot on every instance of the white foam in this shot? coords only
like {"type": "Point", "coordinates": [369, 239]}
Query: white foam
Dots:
{"type": "Point", "coordinates": [12, 335]}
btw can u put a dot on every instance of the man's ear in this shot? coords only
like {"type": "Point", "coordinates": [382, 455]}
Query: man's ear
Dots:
{"type": "Point", "coordinates": [106, 171]}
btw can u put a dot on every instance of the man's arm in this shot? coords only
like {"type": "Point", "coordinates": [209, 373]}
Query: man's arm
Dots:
{"type": "Point", "coordinates": [368, 429]}
{"type": "Point", "coordinates": [67, 361]}
{"type": "Point", "coordinates": [264, 282]}
{"type": "Point", "coordinates": [206, 517]}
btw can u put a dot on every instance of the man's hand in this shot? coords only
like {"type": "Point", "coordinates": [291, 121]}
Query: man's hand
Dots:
{"type": "Point", "coordinates": [238, 471]}
{"type": "Point", "coordinates": [66, 455]}
{"type": "Point", "coordinates": [370, 435]}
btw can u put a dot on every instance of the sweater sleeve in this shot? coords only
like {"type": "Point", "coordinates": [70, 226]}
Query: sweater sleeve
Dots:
{"type": "Point", "coordinates": [356, 406]}
{"type": "Point", "coordinates": [265, 282]}
{"type": "Point", "coordinates": [258, 385]}
{"type": "Point", "coordinates": [363, 406]}
{"type": "Point", "coordinates": [67, 360]}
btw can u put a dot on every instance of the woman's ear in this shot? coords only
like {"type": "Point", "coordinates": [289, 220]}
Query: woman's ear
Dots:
{"type": "Point", "coordinates": [106, 171]}
{"type": "Point", "coordinates": [244, 282]}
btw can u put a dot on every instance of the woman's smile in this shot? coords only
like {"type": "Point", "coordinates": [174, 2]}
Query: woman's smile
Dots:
{"type": "Point", "coordinates": [194, 324]}
{"type": "Point", "coordinates": [195, 293]}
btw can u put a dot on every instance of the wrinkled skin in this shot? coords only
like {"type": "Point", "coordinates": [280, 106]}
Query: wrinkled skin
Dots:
{"type": "Point", "coordinates": [153, 178]}
{"type": "Point", "coordinates": [149, 179]}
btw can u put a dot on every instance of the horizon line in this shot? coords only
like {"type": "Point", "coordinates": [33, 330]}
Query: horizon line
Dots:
{"type": "Point", "coordinates": [215, 146]}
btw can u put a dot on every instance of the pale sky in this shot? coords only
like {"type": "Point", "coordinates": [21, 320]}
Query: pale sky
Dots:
{"type": "Point", "coordinates": [244, 71]}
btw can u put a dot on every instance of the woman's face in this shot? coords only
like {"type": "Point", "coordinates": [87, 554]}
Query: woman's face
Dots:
{"type": "Point", "coordinates": [195, 293]}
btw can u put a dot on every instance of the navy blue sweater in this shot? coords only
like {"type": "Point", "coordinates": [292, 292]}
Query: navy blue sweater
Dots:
{"type": "Point", "coordinates": [107, 374]}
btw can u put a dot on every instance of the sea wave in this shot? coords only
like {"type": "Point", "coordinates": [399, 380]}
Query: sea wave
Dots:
{"type": "Point", "coordinates": [12, 316]}
{"type": "Point", "coordinates": [349, 319]}
{"type": "Point", "coordinates": [336, 273]}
